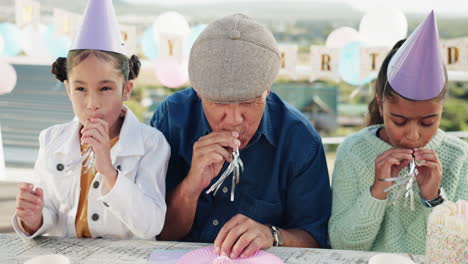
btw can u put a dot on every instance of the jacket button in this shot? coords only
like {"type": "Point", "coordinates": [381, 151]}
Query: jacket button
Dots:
{"type": "Point", "coordinates": [60, 167]}
{"type": "Point", "coordinates": [95, 217]}
{"type": "Point", "coordinates": [96, 184]}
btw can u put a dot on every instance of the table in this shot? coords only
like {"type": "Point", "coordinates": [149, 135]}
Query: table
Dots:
{"type": "Point", "coordinates": [13, 249]}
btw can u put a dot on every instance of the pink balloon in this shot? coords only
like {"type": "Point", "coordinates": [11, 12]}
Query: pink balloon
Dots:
{"type": "Point", "coordinates": [7, 77]}
{"type": "Point", "coordinates": [171, 73]}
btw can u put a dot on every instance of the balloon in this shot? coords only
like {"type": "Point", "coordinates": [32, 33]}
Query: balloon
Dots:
{"type": "Point", "coordinates": [171, 73]}
{"type": "Point", "coordinates": [56, 46]}
{"type": "Point", "coordinates": [146, 102]}
{"type": "Point", "coordinates": [349, 65]}
{"type": "Point", "coordinates": [339, 37]}
{"type": "Point", "coordinates": [383, 27]}
{"type": "Point", "coordinates": [193, 35]}
{"type": "Point", "coordinates": [34, 40]}
{"type": "Point", "coordinates": [7, 78]}
{"type": "Point", "coordinates": [148, 44]}
{"type": "Point", "coordinates": [2, 44]}
{"type": "Point", "coordinates": [11, 38]}
{"type": "Point", "coordinates": [170, 23]}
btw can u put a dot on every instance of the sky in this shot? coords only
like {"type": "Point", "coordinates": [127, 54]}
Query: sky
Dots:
{"type": "Point", "coordinates": [449, 7]}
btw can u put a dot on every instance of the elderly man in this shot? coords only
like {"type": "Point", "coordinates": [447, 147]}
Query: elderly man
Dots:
{"type": "Point", "coordinates": [283, 196]}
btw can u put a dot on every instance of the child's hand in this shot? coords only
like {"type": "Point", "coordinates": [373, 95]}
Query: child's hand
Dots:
{"type": "Point", "coordinates": [29, 205]}
{"type": "Point", "coordinates": [96, 134]}
{"type": "Point", "coordinates": [430, 172]}
{"type": "Point", "coordinates": [388, 165]}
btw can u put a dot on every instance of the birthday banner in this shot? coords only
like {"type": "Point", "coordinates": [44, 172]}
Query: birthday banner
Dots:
{"type": "Point", "coordinates": [288, 55]}
{"type": "Point", "coordinates": [349, 55]}
{"type": "Point", "coordinates": [66, 23]}
{"type": "Point", "coordinates": [324, 63]}
{"type": "Point", "coordinates": [358, 64]}
{"type": "Point", "coordinates": [171, 46]}
{"type": "Point", "coordinates": [27, 12]}
{"type": "Point", "coordinates": [455, 53]}
{"type": "Point", "coordinates": [129, 37]}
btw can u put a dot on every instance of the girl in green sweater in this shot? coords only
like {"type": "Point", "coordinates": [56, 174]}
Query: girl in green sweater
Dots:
{"type": "Point", "coordinates": [404, 124]}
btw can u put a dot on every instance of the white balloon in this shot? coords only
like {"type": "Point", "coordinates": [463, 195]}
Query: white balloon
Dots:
{"type": "Point", "coordinates": [7, 78]}
{"type": "Point", "coordinates": [2, 45]}
{"type": "Point", "coordinates": [171, 24]}
{"type": "Point", "coordinates": [339, 37]}
{"type": "Point", "coordinates": [33, 40]}
{"type": "Point", "coordinates": [146, 102]}
{"type": "Point", "coordinates": [383, 27]}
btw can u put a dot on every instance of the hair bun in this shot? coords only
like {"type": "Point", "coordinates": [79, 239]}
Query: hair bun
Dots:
{"type": "Point", "coordinates": [135, 66]}
{"type": "Point", "coordinates": [59, 69]}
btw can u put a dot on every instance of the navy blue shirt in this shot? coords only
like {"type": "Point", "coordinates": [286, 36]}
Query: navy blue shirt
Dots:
{"type": "Point", "coordinates": [285, 179]}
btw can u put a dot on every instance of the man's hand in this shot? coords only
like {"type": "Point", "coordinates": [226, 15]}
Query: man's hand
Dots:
{"type": "Point", "coordinates": [209, 154]}
{"type": "Point", "coordinates": [242, 237]}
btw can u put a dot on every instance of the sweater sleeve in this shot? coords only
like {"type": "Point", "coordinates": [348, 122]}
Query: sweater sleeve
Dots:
{"type": "Point", "coordinates": [356, 215]}
{"type": "Point", "coordinates": [462, 187]}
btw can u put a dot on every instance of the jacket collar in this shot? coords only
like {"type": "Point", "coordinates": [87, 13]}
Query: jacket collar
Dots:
{"type": "Point", "coordinates": [131, 141]}
{"type": "Point", "coordinates": [266, 127]}
{"type": "Point", "coordinates": [71, 144]}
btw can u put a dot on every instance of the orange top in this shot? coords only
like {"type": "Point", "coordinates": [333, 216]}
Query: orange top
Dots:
{"type": "Point", "coordinates": [81, 220]}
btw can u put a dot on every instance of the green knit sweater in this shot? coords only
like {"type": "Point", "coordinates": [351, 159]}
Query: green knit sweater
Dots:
{"type": "Point", "coordinates": [362, 222]}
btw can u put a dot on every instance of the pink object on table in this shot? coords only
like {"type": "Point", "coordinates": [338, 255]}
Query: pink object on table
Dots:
{"type": "Point", "coordinates": [208, 256]}
{"type": "Point", "coordinates": [222, 260]}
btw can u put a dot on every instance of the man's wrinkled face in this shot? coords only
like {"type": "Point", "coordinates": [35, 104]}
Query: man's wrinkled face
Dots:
{"type": "Point", "coordinates": [243, 118]}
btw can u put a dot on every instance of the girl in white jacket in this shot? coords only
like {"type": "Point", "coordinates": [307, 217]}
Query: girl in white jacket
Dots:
{"type": "Point", "coordinates": [123, 194]}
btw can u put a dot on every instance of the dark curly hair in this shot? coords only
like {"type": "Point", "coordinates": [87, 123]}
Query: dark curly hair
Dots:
{"type": "Point", "coordinates": [129, 67]}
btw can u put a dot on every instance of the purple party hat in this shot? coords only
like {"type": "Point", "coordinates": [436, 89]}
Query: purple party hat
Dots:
{"type": "Point", "coordinates": [100, 29]}
{"type": "Point", "coordinates": [416, 71]}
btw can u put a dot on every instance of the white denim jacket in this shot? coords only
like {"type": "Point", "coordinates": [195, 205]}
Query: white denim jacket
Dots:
{"type": "Point", "coordinates": [134, 208]}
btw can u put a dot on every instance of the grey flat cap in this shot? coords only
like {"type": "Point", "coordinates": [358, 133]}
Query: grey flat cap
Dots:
{"type": "Point", "coordinates": [234, 59]}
